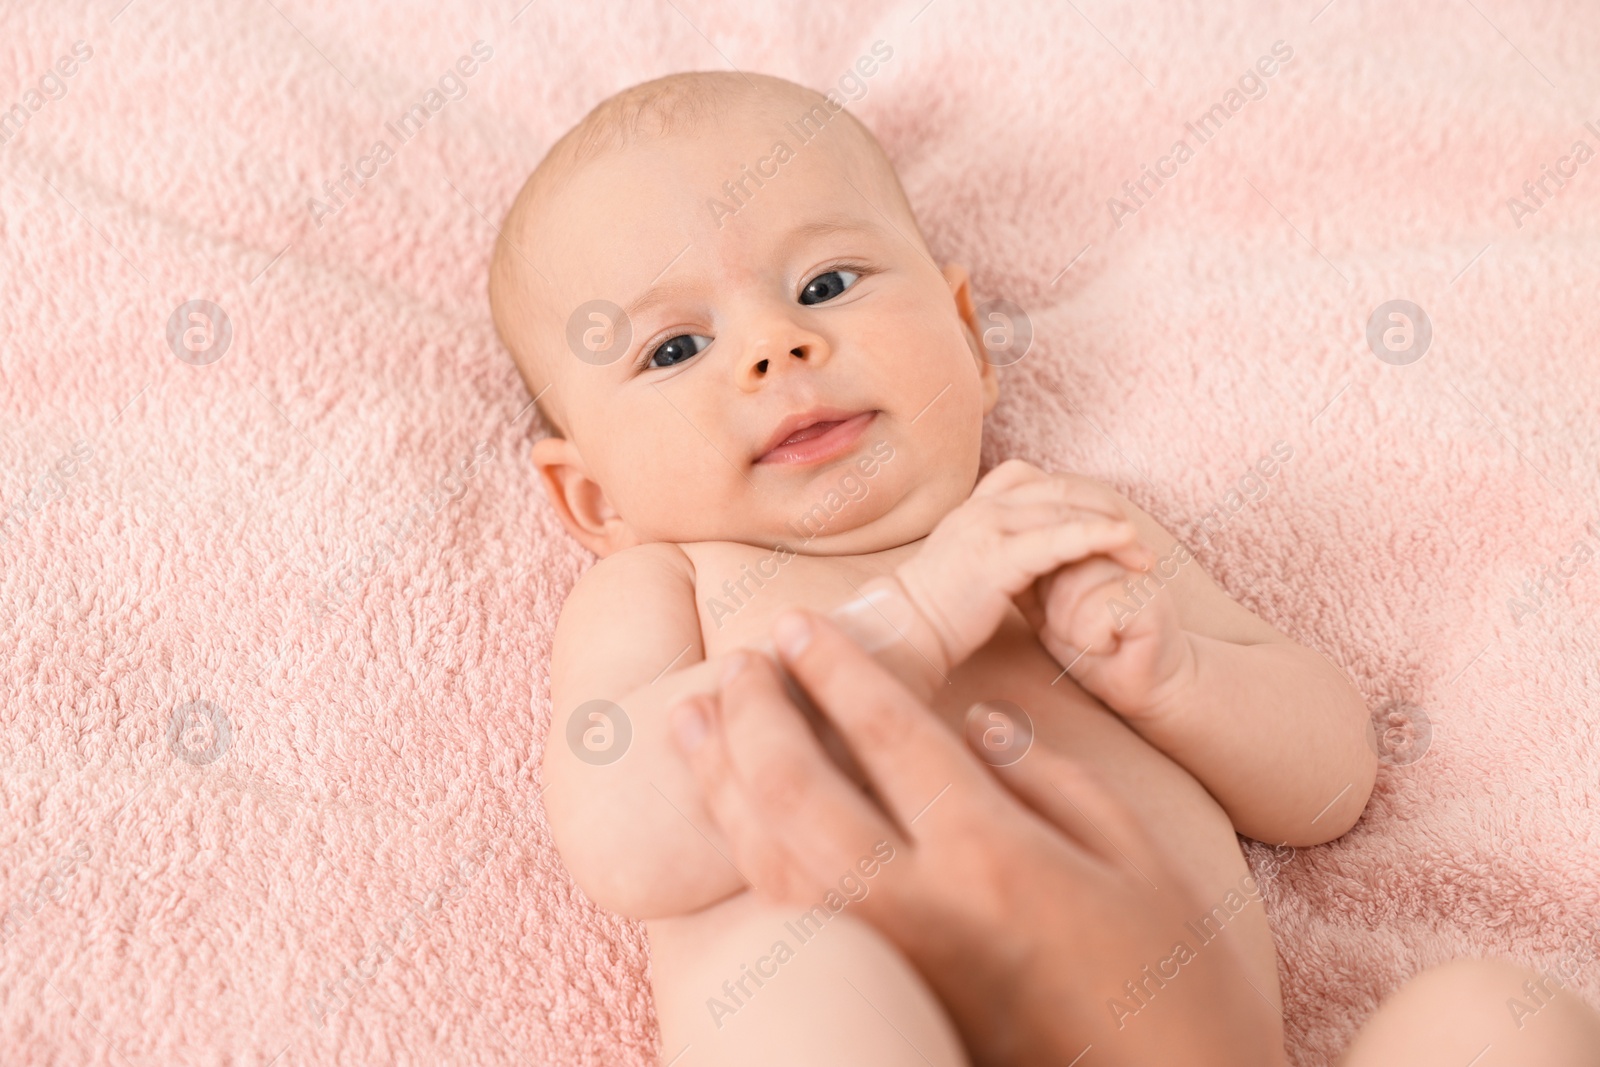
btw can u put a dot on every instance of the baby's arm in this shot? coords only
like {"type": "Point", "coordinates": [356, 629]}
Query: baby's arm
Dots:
{"type": "Point", "coordinates": [1273, 729]}
{"type": "Point", "coordinates": [625, 813]}
{"type": "Point", "coordinates": [1276, 733]}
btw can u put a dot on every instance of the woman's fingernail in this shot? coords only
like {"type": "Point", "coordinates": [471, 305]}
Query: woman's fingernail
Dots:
{"type": "Point", "coordinates": [689, 725]}
{"type": "Point", "coordinates": [791, 633]}
{"type": "Point", "coordinates": [875, 619]}
{"type": "Point", "coordinates": [735, 664]}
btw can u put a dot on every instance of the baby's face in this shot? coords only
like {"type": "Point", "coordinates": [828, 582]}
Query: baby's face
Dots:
{"type": "Point", "coordinates": [803, 354]}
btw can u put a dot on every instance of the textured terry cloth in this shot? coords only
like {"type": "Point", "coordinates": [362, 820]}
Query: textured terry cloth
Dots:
{"type": "Point", "coordinates": [275, 625]}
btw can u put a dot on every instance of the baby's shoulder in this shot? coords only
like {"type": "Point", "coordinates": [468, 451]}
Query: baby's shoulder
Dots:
{"type": "Point", "coordinates": [629, 614]}
{"type": "Point", "coordinates": [637, 585]}
{"type": "Point", "coordinates": [656, 561]}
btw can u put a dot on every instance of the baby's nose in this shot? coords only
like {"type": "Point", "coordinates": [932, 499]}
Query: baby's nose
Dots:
{"type": "Point", "coordinates": [778, 348]}
{"type": "Point", "coordinates": [762, 364]}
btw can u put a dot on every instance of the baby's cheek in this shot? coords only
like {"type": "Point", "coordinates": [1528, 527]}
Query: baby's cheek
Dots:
{"type": "Point", "coordinates": [686, 501]}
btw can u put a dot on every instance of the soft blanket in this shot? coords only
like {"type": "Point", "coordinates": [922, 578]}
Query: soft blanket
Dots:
{"type": "Point", "coordinates": [278, 582]}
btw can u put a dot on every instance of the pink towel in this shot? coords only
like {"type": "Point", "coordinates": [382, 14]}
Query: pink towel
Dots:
{"type": "Point", "coordinates": [278, 581]}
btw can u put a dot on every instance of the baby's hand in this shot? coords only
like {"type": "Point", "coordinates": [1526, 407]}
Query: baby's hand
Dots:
{"type": "Point", "coordinates": [1020, 525]}
{"type": "Point", "coordinates": [1115, 629]}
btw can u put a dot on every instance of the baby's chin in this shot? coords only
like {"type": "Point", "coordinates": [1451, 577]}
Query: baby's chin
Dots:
{"type": "Point", "coordinates": [851, 517]}
{"type": "Point", "coordinates": [857, 526]}
{"type": "Point", "coordinates": [815, 532]}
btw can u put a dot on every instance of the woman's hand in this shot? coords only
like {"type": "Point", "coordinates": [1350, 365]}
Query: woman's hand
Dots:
{"type": "Point", "coordinates": [1028, 907]}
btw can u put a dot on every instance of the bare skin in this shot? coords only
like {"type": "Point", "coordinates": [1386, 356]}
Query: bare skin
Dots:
{"type": "Point", "coordinates": [1021, 865]}
{"type": "Point", "coordinates": [803, 401]}
{"type": "Point", "coordinates": [1014, 869]}
{"type": "Point", "coordinates": [1489, 1013]}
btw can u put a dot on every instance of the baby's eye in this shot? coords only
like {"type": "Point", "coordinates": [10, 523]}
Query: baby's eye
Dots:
{"type": "Point", "coordinates": [827, 286]}
{"type": "Point", "coordinates": [678, 349]}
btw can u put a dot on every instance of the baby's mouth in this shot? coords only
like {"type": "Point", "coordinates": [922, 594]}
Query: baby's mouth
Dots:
{"type": "Point", "coordinates": [815, 437]}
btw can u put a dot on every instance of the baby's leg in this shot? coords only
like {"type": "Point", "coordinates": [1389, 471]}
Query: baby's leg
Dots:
{"type": "Point", "coordinates": [743, 983]}
{"type": "Point", "coordinates": [1487, 1013]}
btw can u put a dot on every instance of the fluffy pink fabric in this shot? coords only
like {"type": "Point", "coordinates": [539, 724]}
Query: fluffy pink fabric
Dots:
{"type": "Point", "coordinates": [333, 537]}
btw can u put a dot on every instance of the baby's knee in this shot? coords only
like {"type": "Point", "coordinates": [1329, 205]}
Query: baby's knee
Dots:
{"type": "Point", "coordinates": [1475, 982]}
{"type": "Point", "coordinates": [1492, 1011]}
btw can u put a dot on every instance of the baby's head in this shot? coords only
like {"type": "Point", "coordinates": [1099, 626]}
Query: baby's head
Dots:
{"type": "Point", "coordinates": [788, 364]}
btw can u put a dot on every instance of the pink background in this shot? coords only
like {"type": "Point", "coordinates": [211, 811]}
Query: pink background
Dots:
{"type": "Point", "coordinates": [288, 534]}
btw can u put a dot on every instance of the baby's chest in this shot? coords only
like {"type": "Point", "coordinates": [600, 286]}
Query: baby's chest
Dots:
{"type": "Point", "coordinates": [740, 590]}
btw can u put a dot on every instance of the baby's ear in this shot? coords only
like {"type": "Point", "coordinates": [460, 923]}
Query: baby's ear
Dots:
{"type": "Point", "coordinates": [955, 276]}
{"type": "Point", "coordinates": [578, 498]}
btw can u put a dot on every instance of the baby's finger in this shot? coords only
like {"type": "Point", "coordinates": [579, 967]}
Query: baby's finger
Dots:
{"type": "Point", "coordinates": [1014, 516]}
{"type": "Point", "coordinates": [1135, 555]}
{"type": "Point", "coordinates": [1072, 584]}
{"type": "Point", "coordinates": [1031, 602]}
{"type": "Point", "coordinates": [1099, 586]}
{"type": "Point", "coordinates": [1086, 607]}
{"type": "Point", "coordinates": [1045, 549]}
{"type": "Point", "coordinates": [1064, 491]}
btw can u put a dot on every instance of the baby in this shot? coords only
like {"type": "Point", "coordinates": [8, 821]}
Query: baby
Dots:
{"type": "Point", "coordinates": [765, 393]}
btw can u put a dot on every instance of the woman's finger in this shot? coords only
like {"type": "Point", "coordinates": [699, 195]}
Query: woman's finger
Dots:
{"type": "Point", "coordinates": [1074, 799]}
{"type": "Point", "coordinates": [909, 756]}
{"type": "Point", "coordinates": [795, 794]}
{"type": "Point", "coordinates": [748, 845]}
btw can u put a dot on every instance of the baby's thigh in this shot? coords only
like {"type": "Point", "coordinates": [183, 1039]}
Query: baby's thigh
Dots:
{"type": "Point", "coordinates": [1489, 1013]}
{"type": "Point", "coordinates": [742, 982]}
